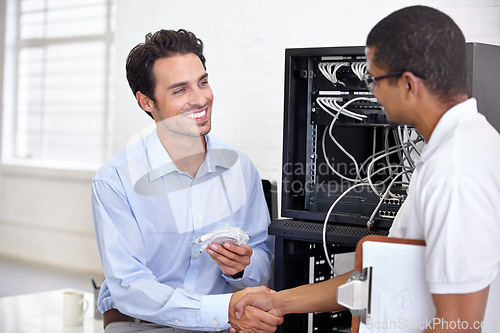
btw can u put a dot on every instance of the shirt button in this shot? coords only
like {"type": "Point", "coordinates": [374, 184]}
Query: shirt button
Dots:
{"type": "Point", "coordinates": [195, 255]}
{"type": "Point", "coordinates": [188, 288]}
{"type": "Point", "coordinates": [215, 323]}
{"type": "Point", "coordinates": [197, 220]}
{"type": "Point", "coordinates": [217, 329]}
{"type": "Point", "coordinates": [176, 321]}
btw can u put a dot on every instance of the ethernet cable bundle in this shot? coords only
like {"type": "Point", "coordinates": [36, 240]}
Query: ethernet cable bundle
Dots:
{"type": "Point", "coordinates": [220, 235]}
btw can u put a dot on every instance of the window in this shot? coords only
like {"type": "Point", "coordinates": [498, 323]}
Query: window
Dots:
{"type": "Point", "coordinates": [58, 80]}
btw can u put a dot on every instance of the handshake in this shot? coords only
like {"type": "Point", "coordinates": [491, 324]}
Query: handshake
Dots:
{"type": "Point", "coordinates": [261, 310]}
{"type": "Point", "coordinates": [254, 310]}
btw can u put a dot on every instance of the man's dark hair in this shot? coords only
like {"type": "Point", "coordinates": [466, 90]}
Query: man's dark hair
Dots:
{"type": "Point", "coordinates": [161, 44]}
{"type": "Point", "coordinates": [426, 42]}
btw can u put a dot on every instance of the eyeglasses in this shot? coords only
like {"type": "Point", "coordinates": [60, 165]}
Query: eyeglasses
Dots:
{"type": "Point", "coordinates": [371, 81]}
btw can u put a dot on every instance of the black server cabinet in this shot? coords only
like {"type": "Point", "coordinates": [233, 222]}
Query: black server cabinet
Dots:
{"type": "Point", "coordinates": [314, 79]}
{"type": "Point", "coordinates": [316, 169]}
{"type": "Point", "coordinates": [326, 151]}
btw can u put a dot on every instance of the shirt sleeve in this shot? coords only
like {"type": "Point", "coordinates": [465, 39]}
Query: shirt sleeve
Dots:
{"type": "Point", "coordinates": [258, 221]}
{"type": "Point", "coordinates": [122, 254]}
{"type": "Point", "coordinates": [461, 232]}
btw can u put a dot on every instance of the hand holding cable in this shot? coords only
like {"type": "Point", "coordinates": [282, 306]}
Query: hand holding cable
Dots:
{"type": "Point", "coordinates": [227, 247]}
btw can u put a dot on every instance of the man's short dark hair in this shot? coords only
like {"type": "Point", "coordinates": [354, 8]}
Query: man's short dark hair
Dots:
{"type": "Point", "coordinates": [161, 44]}
{"type": "Point", "coordinates": [426, 42]}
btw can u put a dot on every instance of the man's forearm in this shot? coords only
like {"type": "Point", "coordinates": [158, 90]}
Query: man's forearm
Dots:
{"type": "Point", "coordinates": [317, 297]}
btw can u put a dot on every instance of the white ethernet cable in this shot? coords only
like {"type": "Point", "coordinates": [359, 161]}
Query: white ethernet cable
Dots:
{"type": "Point", "coordinates": [372, 159]}
{"type": "Point", "coordinates": [419, 138]}
{"type": "Point", "coordinates": [326, 69]}
{"type": "Point", "coordinates": [329, 70]}
{"type": "Point", "coordinates": [405, 151]}
{"type": "Point", "coordinates": [379, 155]}
{"type": "Point", "coordinates": [407, 146]}
{"type": "Point", "coordinates": [404, 145]}
{"type": "Point", "coordinates": [327, 256]}
{"type": "Point", "coordinates": [331, 103]}
{"type": "Point", "coordinates": [330, 133]}
{"type": "Point", "coordinates": [323, 147]}
{"type": "Point", "coordinates": [221, 235]}
{"type": "Point", "coordinates": [359, 69]}
{"type": "Point", "coordinates": [370, 166]}
{"type": "Point", "coordinates": [370, 222]}
{"type": "Point", "coordinates": [385, 152]}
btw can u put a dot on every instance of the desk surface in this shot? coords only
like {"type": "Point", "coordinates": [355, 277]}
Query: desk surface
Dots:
{"type": "Point", "coordinates": [42, 312]}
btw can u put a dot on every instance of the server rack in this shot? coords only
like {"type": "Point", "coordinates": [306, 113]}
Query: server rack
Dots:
{"type": "Point", "coordinates": [313, 78]}
{"type": "Point", "coordinates": [325, 151]}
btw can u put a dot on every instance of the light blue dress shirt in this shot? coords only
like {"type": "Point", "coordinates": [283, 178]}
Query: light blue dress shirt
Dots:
{"type": "Point", "coordinates": [147, 214]}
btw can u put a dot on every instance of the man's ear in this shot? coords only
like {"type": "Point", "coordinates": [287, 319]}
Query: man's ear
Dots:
{"type": "Point", "coordinates": [145, 102]}
{"type": "Point", "coordinates": [412, 84]}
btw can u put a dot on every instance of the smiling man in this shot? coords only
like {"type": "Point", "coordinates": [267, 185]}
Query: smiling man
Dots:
{"type": "Point", "coordinates": [153, 202]}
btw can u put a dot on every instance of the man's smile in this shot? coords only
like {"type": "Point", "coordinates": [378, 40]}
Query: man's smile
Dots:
{"type": "Point", "coordinates": [197, 115]}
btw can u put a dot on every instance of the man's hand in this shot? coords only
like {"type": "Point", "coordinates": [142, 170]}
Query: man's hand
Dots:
{"type": "Point", "coordinates": [263, 301]}
{"type": "Point", "coordinates": [231, 258]}
{"type": "Point", "coordinates": [253, 320]}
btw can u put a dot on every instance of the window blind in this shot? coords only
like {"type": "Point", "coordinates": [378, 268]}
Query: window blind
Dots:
{"type": "Point", "coordinates": [64, 57]}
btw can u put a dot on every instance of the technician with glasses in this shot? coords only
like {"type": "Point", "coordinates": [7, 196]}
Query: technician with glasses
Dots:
{"type": "Point", "coordinates": [156, 199]}
{"type": "Point", "coordinates": [417, 70]}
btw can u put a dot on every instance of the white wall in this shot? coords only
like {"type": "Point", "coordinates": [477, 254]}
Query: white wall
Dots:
{"type": "Point", "coordinates": [45, 217]}
{"type": "Point", "coordinates": [48, 219]}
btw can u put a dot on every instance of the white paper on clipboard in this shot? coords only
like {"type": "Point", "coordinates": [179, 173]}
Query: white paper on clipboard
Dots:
{"type": "Point", "coordinates": [400, 297]}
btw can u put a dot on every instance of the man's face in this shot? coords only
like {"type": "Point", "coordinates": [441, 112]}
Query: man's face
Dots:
{"type": "Point", "coordinates": [183, 96]}
{"type": "Point", "coordinates": [388, 94]}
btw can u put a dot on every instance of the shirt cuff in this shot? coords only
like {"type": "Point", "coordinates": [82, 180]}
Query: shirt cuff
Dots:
{"type": "Point", "coordinates": [215, 310]}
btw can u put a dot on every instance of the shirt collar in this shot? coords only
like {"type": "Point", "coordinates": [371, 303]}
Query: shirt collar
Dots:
{"type": "Point", "coordinates": [218, 157]}
{"type": "Point", "coordinates": [161, 164]}
{"type": "Point", "coordinates": [447, 124]}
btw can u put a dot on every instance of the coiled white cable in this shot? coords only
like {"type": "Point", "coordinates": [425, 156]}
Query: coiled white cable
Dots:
{"type": "Point", "coordinates": [221, 235]}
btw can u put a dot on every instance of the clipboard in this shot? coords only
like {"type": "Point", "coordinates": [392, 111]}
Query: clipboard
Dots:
{"type": "Point", "coordinates": [389, 291]}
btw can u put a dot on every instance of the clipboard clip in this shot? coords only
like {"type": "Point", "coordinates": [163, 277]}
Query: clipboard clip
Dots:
{"type": "Point", "coordinates": [355, 294]}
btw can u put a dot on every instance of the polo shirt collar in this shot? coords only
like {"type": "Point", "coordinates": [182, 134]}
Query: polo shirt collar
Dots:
{"type": "Point", "coordinates": [447, 124]}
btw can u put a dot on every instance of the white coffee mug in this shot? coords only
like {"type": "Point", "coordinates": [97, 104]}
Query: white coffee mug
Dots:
{"type": "Point", "coordinates": [74, 307]}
